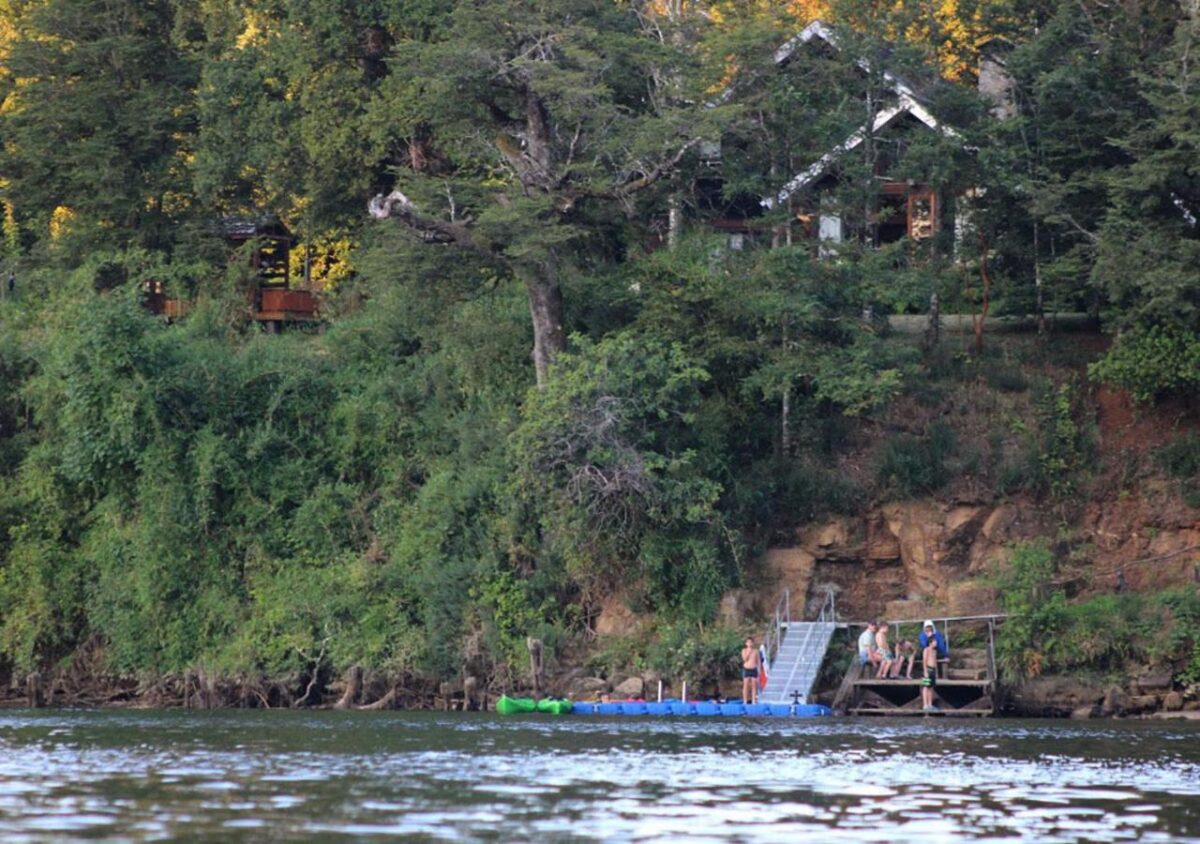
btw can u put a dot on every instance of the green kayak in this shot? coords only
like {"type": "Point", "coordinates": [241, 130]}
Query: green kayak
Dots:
{"type": "Point", "coordinates": [520, 705]}
{"type": "Point", "coordinates": [555, 707]}
{"type": "Point", "coordinates": [515, 705]}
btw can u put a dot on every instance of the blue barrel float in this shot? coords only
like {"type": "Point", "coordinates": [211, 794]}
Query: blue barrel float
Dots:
{"type": "Point", "coordinates": [704, 708]}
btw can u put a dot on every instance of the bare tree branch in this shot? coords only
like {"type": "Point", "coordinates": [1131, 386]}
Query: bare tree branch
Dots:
{"type": "Point", "coordinates": [649, 176]}
{"type": "Point", "coordinates": [397, 205]}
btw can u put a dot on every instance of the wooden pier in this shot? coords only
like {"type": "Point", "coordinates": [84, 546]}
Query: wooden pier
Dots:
{"type": "Point", "coordinates": [966, 683]}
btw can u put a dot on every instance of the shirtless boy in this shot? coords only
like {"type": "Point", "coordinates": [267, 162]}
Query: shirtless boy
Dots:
{"type": "Point", "coordinates": [751, 662]}
{"type": "Point", "coordinates": [929, 664]}
{"type": "Point", "coordinates": [886, 657]}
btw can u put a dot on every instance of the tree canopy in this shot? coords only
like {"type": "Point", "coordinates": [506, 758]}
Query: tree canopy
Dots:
{"type": "Point", "coordinates": [408, 489]}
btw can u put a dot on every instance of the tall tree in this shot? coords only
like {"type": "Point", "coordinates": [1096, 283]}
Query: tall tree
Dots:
{"type": "Point", "coordinates": [547, 119]}
{"type": "Point", "coordinates": [99, 117]}
{"type": "Point", "coordinates": [1149, 246]}
{"type": "Point", "coordinates": [286, 88]}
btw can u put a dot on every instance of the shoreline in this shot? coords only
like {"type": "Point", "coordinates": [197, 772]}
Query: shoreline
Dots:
{"type": "Point", "coordinates": [414, 703]}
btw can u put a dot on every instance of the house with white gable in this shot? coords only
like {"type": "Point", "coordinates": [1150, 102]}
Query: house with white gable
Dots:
{"type": "Point", "coordinates": [902, 208]}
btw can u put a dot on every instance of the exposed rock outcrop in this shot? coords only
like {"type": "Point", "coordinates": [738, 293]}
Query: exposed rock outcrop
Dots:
{"type": "Point", "coordinates": [922, 557]}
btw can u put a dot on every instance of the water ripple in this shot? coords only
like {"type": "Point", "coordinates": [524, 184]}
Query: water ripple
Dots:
{"type": "Point", "coordinates": [237, 776]}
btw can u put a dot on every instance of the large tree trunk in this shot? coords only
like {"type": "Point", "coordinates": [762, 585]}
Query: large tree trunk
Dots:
{"type": "Point", "coordinates": [546, 309]}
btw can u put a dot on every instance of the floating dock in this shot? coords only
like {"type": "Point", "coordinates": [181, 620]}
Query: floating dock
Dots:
{"type": "Point", "coordinates": [704, 708]}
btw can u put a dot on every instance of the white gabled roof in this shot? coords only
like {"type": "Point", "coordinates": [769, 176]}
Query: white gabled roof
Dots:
{"type": "Point", "coordinates": [906, 105]}
{"type": "Point", "coordinates": [821, 30]}
{"type": "Point", "coordinates": [824, 32]}
{"type": "Point", "coordinates": [816, 29]}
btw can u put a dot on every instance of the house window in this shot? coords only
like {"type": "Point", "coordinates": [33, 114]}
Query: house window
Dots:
{"type": "Point", "coordinates": [829, 227]}
{"type": "Point", "coordinates": [891, 219]}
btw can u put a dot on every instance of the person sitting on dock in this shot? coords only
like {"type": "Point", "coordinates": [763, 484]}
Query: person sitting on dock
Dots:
{"type": "Point", "coordinates": [931, 633]}
{"type": "Point", "coordinates": [867, 652]}
{"type": "Point", "coordinates": [886, 657]}
{"type": "Point", "coordinates": [929, 662]}
{"type": "Point", "coordinates": [750, 665]}
{"type": "Point", "coordinates": [904, 649]}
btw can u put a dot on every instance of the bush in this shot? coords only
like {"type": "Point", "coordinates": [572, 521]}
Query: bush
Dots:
{"type": "Point", "coordinates": [1152, 364]}
{"type": "Point", "coordinates": [1044, 633]}
{"type": "Point", "coordinates": [1005, 377]}
{"type": "Point", "coordinates": [614, 654]}
{"type": "Point", "coordinates": [609, 457]}
{"type": "Point", "coordinates": [911, 466]}
{"type": "Point", "coordinates": [810, 491]}
{"type": "Point", "coordinates": [1058, 446]}
{"type": "Point", "coordinates": [1035, 609]}
{"type": "Point", "coordinates": [684, 652]}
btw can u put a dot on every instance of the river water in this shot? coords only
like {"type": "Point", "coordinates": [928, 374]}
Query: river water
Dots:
{"type": "Point", "coordinates": [252, 775]}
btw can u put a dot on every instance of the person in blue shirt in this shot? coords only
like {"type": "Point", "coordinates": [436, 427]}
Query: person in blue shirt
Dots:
{"type": "Point", "coordinates": [928, 631]}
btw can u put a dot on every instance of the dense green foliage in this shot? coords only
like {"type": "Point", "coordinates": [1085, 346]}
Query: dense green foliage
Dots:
{"type": "Point", "coordinates": [393, 491]}
{"type": "Point", "coordinates": [1155, 362]}
{"type": "Point", "coordinates": [1047, 634]}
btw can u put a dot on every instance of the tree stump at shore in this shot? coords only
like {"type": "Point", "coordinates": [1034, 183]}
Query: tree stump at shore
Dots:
{"type": "Point", "coordinates": [354, 678]}
{"type": "Point", "coordinates": [535, 663]}
{"type": "Point", "coordinates": [33, 690]}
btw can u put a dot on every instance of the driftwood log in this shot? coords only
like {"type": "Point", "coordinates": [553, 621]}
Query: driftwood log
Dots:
{"type": "Point", "coordinates": [388, 701]}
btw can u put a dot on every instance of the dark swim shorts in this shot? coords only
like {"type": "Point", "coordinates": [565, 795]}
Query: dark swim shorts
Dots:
{"type": "Point", "coordinates": [930, 677]}
{"type": "Point", "coordinates": [749, 673]}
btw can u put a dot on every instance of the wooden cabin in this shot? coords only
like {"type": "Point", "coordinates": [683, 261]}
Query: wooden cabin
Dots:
{"type": "Point", "coordinates": [902, 209]}
{"type": "Point", "coordinates": [274, 302]}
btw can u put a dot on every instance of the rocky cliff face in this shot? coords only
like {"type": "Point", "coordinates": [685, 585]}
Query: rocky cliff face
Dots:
{"type": "Point", "coordinates": [916, 558]}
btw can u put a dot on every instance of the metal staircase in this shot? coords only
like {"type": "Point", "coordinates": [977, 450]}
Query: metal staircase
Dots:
{"type": "Point", "coordinates": [795, 651]}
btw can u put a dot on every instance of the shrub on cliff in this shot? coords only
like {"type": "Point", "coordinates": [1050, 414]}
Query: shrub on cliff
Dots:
{"type": "Point", "coordinates": [1105, 633]}
{"type": "Point", "coordinates": [1151, 364]}
{"type": "Point", "coordinates": [912, 466]}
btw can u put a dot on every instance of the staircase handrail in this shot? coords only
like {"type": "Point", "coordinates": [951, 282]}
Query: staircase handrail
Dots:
{"type": "Point", "coordinates": [828, 611]}
{"type": "Point", "coordinates": [774, 636]}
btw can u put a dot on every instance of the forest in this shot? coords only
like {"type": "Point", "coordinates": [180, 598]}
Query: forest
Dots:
{"type": "Point", "coordinates": [546, 369]}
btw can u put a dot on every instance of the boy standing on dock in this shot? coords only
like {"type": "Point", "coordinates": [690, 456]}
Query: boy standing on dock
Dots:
{"type": "Point", "coordinates": [751, 662]}
{"type": "Point", "coordinates": [929, 663]}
